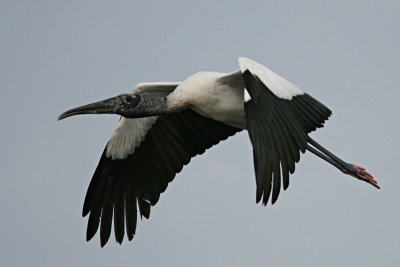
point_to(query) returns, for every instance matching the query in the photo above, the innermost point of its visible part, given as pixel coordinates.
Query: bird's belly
(207, 94)
(230, 113)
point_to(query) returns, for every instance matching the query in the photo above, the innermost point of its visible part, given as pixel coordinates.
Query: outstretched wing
(130, 178)
(278, 116)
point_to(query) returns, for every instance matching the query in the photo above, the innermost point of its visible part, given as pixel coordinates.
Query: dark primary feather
(278, 130)
(121, 188)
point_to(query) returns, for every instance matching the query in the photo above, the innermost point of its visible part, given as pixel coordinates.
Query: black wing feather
(278, 131)
(119, 188)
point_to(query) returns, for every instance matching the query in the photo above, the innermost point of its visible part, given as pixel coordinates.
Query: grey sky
(56, 55)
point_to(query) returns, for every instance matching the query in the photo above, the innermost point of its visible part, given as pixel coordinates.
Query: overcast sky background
(56, 55)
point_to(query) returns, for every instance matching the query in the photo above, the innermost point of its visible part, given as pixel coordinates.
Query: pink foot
(360, 173)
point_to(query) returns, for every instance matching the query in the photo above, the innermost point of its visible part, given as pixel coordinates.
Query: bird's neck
(149, 106)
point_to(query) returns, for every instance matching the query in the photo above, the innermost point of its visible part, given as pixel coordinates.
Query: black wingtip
(85, 211)
(274, 199)
(285, 186)
(258, 196)
(130, 236)
(144, 208)
(104, 237)
(92, 226)
(265, 201)
(90, 235)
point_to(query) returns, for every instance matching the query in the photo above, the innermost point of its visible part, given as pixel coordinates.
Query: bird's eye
(129, 98)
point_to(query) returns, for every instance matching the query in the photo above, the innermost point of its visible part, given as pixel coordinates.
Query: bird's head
(126, 105)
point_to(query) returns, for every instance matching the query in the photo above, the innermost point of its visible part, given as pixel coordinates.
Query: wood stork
(164, 125)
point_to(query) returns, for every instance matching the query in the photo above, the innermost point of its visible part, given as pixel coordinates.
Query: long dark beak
(347, 168)
(108, 106)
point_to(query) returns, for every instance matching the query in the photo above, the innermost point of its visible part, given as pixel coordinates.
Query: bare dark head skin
(127, 105)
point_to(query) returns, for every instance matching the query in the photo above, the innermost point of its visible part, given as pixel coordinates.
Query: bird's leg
(347, 168)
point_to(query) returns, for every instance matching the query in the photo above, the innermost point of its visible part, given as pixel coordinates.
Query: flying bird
(164, 125)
